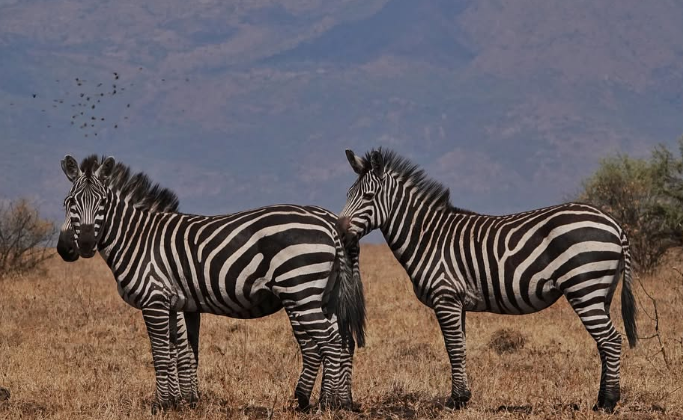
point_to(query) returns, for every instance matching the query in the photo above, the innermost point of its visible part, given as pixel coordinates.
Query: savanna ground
(70, 348)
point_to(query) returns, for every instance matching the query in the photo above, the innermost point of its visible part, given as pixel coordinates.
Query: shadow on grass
(406, 405)
(26, 409)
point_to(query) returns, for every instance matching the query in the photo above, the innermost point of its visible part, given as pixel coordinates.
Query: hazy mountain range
(235, 104)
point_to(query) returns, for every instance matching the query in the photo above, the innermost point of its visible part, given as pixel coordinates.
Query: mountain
(235, 104)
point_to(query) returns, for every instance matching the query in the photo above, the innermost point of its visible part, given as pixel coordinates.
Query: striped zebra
(183, 327)
(243, 265)
(515, 264)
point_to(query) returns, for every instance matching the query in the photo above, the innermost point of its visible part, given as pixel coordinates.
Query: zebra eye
(368, 195)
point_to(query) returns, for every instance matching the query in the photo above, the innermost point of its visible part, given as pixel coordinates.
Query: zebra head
(86, 204)
(367, 203)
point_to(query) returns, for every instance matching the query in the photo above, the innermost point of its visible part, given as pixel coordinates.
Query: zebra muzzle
(87, 241)
(66, 246)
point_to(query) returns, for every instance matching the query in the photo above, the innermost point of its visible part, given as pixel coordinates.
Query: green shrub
(646, 197)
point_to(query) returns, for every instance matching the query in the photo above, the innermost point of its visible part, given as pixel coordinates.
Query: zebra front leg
(187, 339)
(156, 318)
(449, 313)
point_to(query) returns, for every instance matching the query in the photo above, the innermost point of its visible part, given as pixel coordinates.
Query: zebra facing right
(515, 264)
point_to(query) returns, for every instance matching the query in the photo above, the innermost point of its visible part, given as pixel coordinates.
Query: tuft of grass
(506, 340)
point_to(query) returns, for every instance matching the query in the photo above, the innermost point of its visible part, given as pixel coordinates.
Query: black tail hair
(350, 308)
(628, 303)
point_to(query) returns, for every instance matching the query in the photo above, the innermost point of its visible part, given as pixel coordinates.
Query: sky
(239, 104)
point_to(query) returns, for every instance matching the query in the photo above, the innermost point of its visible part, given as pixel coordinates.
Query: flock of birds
(94, 106)
(90, 104)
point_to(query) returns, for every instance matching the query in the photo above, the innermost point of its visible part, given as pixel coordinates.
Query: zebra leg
(347, 373)
(449, 313)
(156, 318)
(186, 357)
(311, 364)
(173, 385)
(599, 326)
(327, 339)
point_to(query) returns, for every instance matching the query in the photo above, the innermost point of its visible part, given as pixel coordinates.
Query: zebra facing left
(459, 260)
(243, 265)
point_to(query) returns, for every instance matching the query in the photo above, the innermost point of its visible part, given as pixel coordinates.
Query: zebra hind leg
(327, 340)
(591, 310)
(173, 385)
(311, 364)
(609, 347)
(186, 360)
(347, 373)
(449, 313)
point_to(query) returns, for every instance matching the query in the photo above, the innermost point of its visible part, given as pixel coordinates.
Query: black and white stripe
(243, 265)
(183, 384)
(516, 264)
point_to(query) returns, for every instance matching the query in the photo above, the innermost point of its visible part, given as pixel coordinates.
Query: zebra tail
(350, 309)
(628, 303)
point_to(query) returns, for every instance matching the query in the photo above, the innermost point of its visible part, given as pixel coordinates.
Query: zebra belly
(501, 302)
(261, 303)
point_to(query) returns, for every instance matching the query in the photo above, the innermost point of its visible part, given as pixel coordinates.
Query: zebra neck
(124, 224)
(410, 229)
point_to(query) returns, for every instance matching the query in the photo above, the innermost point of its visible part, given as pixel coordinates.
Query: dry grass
(70, 348)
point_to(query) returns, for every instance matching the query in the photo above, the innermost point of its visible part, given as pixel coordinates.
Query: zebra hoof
(4, 394)
(607, 403)
(192, 402)
(351, 406)
(191, 399)
(607, 407)
(457, 402)
(158, 407)
(330, 403)
(304, 404)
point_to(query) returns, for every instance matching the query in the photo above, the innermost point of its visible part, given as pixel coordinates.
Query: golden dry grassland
(70, 348)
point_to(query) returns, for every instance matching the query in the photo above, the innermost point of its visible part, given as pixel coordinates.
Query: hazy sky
(237, 104)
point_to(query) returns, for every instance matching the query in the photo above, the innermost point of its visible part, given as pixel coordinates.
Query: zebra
(183, 329)
(244, 265)
(515, 264)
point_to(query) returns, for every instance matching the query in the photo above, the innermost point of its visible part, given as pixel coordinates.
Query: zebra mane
(415, 178)
(136, 188)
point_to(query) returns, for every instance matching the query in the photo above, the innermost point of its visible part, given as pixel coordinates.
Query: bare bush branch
(25, 238)
(655, 318)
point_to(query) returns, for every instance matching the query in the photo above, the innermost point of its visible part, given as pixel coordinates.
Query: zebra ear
(106, 168)
(377, 164)
(70, 168)
(355, 162)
